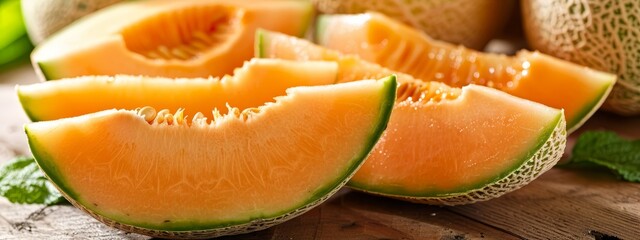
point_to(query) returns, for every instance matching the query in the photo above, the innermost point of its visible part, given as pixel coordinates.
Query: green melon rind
(591, 108)
(259, 43)
(26, 101)
(46, 71)
(322, 22)
(544, 156)
(308, 20)
(204, 230)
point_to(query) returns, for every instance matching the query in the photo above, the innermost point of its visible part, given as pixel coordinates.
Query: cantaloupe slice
(578, 90)
(470, 23)
(444, 145)
(241, 172)
(257, 82)
(477, 146)
(167, 38)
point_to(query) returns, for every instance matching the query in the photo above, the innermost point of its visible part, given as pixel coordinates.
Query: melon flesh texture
(257, 82)
(274, 45)
(603, 35)
(187, 38)
(444, 145)
(239, 173)
(578, 90)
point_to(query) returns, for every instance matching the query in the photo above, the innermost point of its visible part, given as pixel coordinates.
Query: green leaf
(21, 181)
(607, 149)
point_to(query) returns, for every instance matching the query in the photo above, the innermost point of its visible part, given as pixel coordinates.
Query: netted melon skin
(44, 18)
(604, 35)
(543, 160)
(470, 23)
(255, 225)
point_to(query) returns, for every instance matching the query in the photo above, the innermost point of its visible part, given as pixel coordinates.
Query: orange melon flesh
(251, 168)
(578, 90)
(441, 148)
(257, 82)
(274, 45)
(444, 145)
(187, 38)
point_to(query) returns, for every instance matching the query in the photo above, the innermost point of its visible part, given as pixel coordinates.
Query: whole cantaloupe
(45, 17)
(470, 23)
(602, 34)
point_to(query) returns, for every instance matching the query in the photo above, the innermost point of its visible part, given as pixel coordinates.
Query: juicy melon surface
(452, 146)
(245, 171)
(187, 38)
(257, 82)
(444, 145)
(578, 90)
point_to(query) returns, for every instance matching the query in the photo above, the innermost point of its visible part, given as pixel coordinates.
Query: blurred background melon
(472, 23)
(14, 42)
(45, 17)
(602, 34)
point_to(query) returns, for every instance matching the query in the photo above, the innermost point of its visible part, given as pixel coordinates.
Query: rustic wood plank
(353, 215)
(565, 204)
(53, 222)
(12, 139)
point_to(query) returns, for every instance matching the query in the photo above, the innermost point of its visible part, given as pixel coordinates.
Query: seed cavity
(183, 34)
(165, 117)
(419, 91)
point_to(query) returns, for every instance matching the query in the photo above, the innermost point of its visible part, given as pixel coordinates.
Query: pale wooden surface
(562, 204)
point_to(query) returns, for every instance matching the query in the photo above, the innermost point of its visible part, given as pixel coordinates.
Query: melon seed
(148, 113)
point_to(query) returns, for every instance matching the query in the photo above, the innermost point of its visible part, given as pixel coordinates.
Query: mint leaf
(607, 149)
(21, 181)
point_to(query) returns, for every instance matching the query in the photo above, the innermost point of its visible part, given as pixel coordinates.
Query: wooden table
(562, 204)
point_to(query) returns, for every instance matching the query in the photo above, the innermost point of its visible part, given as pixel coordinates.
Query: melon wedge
(444, 145)
(167, 38)
(580, 91)
(470, 23)
(257, 82)
(241, 172)
(476, 147)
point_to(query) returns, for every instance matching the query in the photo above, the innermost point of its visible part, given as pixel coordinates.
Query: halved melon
(257, 82)
(241, 172)
(444, 145)
(167, 38)
(578, 90)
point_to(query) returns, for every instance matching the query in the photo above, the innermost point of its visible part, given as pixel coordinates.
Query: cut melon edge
(207, 230)
(584, 114)
(548, 151)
